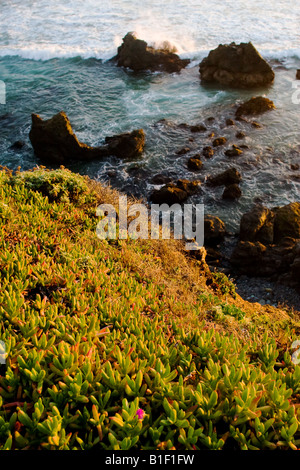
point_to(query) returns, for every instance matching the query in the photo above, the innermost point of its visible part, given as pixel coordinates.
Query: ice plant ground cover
(129, 344)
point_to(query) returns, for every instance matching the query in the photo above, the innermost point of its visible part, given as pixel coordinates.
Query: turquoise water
(53, 57)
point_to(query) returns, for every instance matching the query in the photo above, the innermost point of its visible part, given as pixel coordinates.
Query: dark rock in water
(232, 191)
(7, 117)
(198, 128)
(191, 187)
(19, 144)
(257, 105)
(219, 141)
(161, 179)
(111, 173)
(298, 74)
(230, 122)
(214, 230)
(137, 55)
(183, 151)
(240, 135)
(195, 164)
(126, 145)
(138, 172)
(169, 194)
(233, 152)
(238, 66)
(256, 125)
(241, 119)
(227, 177)
(53, 140)
(183, 125)
(208, 152)
(295, 166)
(173, 193)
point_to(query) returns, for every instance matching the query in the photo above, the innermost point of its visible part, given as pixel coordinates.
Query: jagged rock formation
(53, 140)
(137, 55)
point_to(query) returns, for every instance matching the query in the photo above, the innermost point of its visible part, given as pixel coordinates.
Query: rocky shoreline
(264, 257)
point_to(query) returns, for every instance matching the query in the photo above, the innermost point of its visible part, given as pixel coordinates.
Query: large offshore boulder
(137, 55)
(236, 65)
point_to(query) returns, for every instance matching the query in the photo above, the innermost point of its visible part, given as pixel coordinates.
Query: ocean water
(54, 56)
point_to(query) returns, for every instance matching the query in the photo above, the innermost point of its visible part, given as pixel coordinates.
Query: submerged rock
(198, 128)
(183, 151)
(233, 152)
(195, 163)
(219, 141)
(161, 179)
(238, 66)
(173, 193)
(19, 144)
(257, 105)
(240, 135)
(126, 145)
(256, 125)
(208, 152)
(227, 177)
(232, 191)
(137, 55)
(53, 140)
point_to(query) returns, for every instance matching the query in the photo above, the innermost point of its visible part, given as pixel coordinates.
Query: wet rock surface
(138, 56)
(227, 177)
(238, 66)
(232, 191)
(174, 193)
(54, 140)
(255, 106)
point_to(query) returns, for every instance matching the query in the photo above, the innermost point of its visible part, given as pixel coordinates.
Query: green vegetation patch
(96, 357)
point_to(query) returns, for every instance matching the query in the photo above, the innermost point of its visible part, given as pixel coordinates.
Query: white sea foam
(43, 30)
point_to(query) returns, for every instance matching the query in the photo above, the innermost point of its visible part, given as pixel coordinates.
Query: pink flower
(140, 413)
